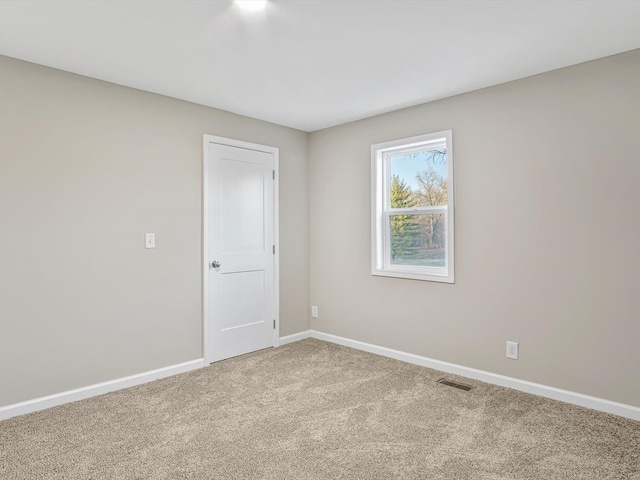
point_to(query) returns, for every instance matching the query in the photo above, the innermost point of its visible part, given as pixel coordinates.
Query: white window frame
(380, 213)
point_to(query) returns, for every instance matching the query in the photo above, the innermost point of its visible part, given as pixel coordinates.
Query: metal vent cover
(451, 383)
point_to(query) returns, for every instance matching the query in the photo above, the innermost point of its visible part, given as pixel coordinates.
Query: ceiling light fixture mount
(252, 5)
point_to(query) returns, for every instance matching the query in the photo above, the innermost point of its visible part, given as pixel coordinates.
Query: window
(412, 214)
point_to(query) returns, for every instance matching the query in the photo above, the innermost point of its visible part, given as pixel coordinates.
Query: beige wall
(548, 184)
(547, 173)
(86, 168)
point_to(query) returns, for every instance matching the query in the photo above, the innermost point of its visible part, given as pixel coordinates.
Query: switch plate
(314, 312)
(512, 350)
(149, 240)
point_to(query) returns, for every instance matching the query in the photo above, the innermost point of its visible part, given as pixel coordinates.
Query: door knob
(215, 264)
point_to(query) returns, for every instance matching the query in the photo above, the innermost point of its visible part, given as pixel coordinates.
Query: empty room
(304, 239)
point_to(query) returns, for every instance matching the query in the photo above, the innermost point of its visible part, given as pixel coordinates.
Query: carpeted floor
(313, 410)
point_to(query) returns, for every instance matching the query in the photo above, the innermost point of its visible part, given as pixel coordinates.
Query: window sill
(428, 277)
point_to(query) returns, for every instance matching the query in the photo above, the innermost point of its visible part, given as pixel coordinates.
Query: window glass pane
(418, 240)
(418, 179)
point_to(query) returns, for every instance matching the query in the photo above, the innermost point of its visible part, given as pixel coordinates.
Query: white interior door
(241, 250)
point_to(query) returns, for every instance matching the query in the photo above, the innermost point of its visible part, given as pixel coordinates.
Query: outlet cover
(149, 240)
(512, 350)
(314, 312)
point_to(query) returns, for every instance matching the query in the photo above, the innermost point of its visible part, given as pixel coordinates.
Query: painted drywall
(547, 232)
(86, 169)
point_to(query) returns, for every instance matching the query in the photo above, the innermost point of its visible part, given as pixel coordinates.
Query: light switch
(150, 240)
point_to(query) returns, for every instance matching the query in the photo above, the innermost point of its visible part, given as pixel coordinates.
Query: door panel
(241, 236)
(250, 287)
(241, 197)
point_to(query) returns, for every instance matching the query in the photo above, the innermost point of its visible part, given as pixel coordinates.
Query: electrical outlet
(512, 350)
(314, 312)
(150, 240)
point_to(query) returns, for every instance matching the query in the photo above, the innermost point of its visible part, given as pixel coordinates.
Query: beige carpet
(316, 410)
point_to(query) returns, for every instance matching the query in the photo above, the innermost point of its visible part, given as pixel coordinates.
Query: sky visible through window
(407, 166)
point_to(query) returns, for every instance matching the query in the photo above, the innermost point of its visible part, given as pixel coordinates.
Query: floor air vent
(451, 383)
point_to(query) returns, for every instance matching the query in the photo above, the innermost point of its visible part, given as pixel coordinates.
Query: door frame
(207, 140)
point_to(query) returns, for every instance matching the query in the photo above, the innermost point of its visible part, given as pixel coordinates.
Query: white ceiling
(314, 64)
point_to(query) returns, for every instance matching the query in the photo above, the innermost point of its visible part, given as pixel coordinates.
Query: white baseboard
(595, 403)
(98, 389)
(295, 337)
